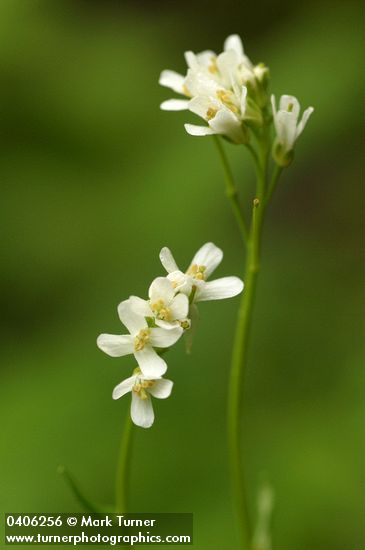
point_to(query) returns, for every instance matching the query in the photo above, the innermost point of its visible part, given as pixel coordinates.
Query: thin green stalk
(239, 357)
(273, 183)
(231, 191)
(122, 477)
(253, 152)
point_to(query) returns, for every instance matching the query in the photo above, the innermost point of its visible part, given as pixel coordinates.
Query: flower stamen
(141, 339)
(211, 112)
(185, 324)
(161, 311)
(227, 98)
(197, 272)
(140, 388)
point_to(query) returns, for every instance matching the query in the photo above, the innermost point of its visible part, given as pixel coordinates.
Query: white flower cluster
(231, 95)
(157, 323)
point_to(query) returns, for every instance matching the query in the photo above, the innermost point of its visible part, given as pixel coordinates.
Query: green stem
(240, 349)
(273, 183)
(231, 191)
(122, 477)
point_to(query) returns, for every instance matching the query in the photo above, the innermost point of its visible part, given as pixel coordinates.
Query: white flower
(216, 87)
(223, 109)
(193, 281)
(168, 309)
(142, 388)
(140, 342)
(287, 126)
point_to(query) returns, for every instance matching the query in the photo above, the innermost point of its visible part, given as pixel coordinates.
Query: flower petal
(191, 60)
(206, 58)
(167, 325)
(227, 63)
(273, 104)
(208, 255)
(290, 104)
(286, 128)
(167, 260)
(200, 105)
(172, 80)
(175, 105)
(199, 61)
(151, 364)
(307, 113)
(179, 307)
(243, 100)
(115, 345)
(227, 124)
(133, 321)
(181, 282)
(142, 411)
(161, 338)
(194, 130)
(227, 287)
(140, 306)
(161, 288)
(199, 83)
(161, 388)
(124, 387)
(234, 42)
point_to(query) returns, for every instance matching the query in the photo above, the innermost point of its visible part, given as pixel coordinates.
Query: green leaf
(87, 504)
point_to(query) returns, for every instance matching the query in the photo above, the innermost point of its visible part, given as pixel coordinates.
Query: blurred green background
(95, 179)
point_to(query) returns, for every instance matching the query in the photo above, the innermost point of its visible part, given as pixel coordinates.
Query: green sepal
(281, 157)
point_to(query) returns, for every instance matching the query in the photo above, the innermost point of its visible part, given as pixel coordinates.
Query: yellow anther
(197, 271)
(185, 324)
(161, 311)
(213, 68)
(290, 107)
(143, 394)
(148, 383)
(140, 388)
(141, 339)
(211, 112)
(227, 98)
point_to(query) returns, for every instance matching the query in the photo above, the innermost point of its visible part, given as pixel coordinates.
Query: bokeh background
(95, 180)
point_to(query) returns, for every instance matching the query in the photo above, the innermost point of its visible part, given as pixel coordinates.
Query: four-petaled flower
(231, 95)
(142, 388)
(141, 341)
(219, 90)
(157, 323)
(193, 281)
(167, 308)
(287, 126)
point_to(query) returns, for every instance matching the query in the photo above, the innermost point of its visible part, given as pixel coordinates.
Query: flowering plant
(157, 324)
(231, 95)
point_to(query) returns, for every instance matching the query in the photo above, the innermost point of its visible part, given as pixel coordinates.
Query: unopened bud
(282, 157)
